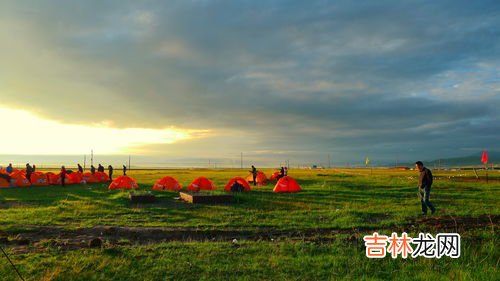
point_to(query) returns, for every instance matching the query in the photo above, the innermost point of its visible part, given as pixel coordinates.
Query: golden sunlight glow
(26, 133)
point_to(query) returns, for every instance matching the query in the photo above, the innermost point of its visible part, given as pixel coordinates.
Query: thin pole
(12, 263)
(129, 161)
(92, 157)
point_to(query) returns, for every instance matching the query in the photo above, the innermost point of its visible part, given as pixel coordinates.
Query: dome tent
(201, 183)
(241, 181)
(287, 184)
(101, 177)
(88, 177)
(167, 183)
(19, 179)
(275, 176)
(39, 178)
(261, 178)
(125, 182)
(75, 177)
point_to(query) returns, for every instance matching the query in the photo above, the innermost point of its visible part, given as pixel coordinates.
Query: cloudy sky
(277, 80)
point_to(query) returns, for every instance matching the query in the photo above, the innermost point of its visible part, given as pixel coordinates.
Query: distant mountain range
(472, 160)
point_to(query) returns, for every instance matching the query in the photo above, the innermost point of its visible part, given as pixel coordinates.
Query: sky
(277, 80)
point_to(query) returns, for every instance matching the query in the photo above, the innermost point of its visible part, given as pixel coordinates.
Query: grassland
(312, 235)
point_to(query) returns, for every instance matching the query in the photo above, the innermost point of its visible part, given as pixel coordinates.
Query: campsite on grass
(313, 234)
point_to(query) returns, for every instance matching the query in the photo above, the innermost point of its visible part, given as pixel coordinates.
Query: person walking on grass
(63, 176)
(110, 172)
(424, 187)
(124, 170)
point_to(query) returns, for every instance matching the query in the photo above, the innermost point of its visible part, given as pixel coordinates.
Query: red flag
(484, 158)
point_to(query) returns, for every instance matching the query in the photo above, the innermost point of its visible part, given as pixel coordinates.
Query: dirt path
(41, 238)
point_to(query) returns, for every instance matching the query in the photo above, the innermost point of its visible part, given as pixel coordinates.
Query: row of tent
(284, 184)
(18, 178)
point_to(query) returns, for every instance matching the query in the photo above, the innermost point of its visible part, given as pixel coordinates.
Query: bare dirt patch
(42, 238)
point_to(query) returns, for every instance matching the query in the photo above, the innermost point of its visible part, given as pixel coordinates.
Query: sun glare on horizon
(26, 133)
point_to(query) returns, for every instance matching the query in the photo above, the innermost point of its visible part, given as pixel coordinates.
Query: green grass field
(316, 234)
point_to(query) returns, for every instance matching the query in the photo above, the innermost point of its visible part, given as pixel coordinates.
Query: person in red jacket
(63, 175)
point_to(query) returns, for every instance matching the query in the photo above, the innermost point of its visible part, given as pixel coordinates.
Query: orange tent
(242, 181)
(101, 176)
(274, 176)
(74, 177)
(88, 177)
(4, 183)
(287, 184)
(167, 183)
(123, 182)
(261, 178)
(19, 179)
(4, 180)
(56, 179)
(39, 178)
(201, 183)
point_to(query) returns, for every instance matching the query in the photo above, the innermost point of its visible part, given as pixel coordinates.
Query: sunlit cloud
(26, 133)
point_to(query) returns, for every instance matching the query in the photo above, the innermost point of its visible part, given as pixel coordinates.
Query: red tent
(274, 176)
(88, 177)
(56, 178)
(261, 178)
(19, 179)
(239, 180)
(167, 183)
(4, 183)
(75, 177)
(101, 177)
(39, 178)
(287, 184)
(123, 182)
(201, 183)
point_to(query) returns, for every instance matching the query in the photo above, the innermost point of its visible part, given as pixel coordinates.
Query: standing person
(92, 169)
(9, 169)
(80, 168)
(63, 175)
(424, 187)
(110, 172)
(285, 171)
(100, 168)
(124, 170)
(29, 171)
(282, 173)
(254, 175)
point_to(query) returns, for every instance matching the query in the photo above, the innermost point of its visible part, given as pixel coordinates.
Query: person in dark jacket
(63, 175)
(254, 175)
(100, 168)
(424, 187)
(80, 168)
(124, 170)
(29, 171)
(110, 172)
(92, 169)
(282, 173)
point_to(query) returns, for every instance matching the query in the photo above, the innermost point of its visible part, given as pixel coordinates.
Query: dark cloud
(418, 78)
